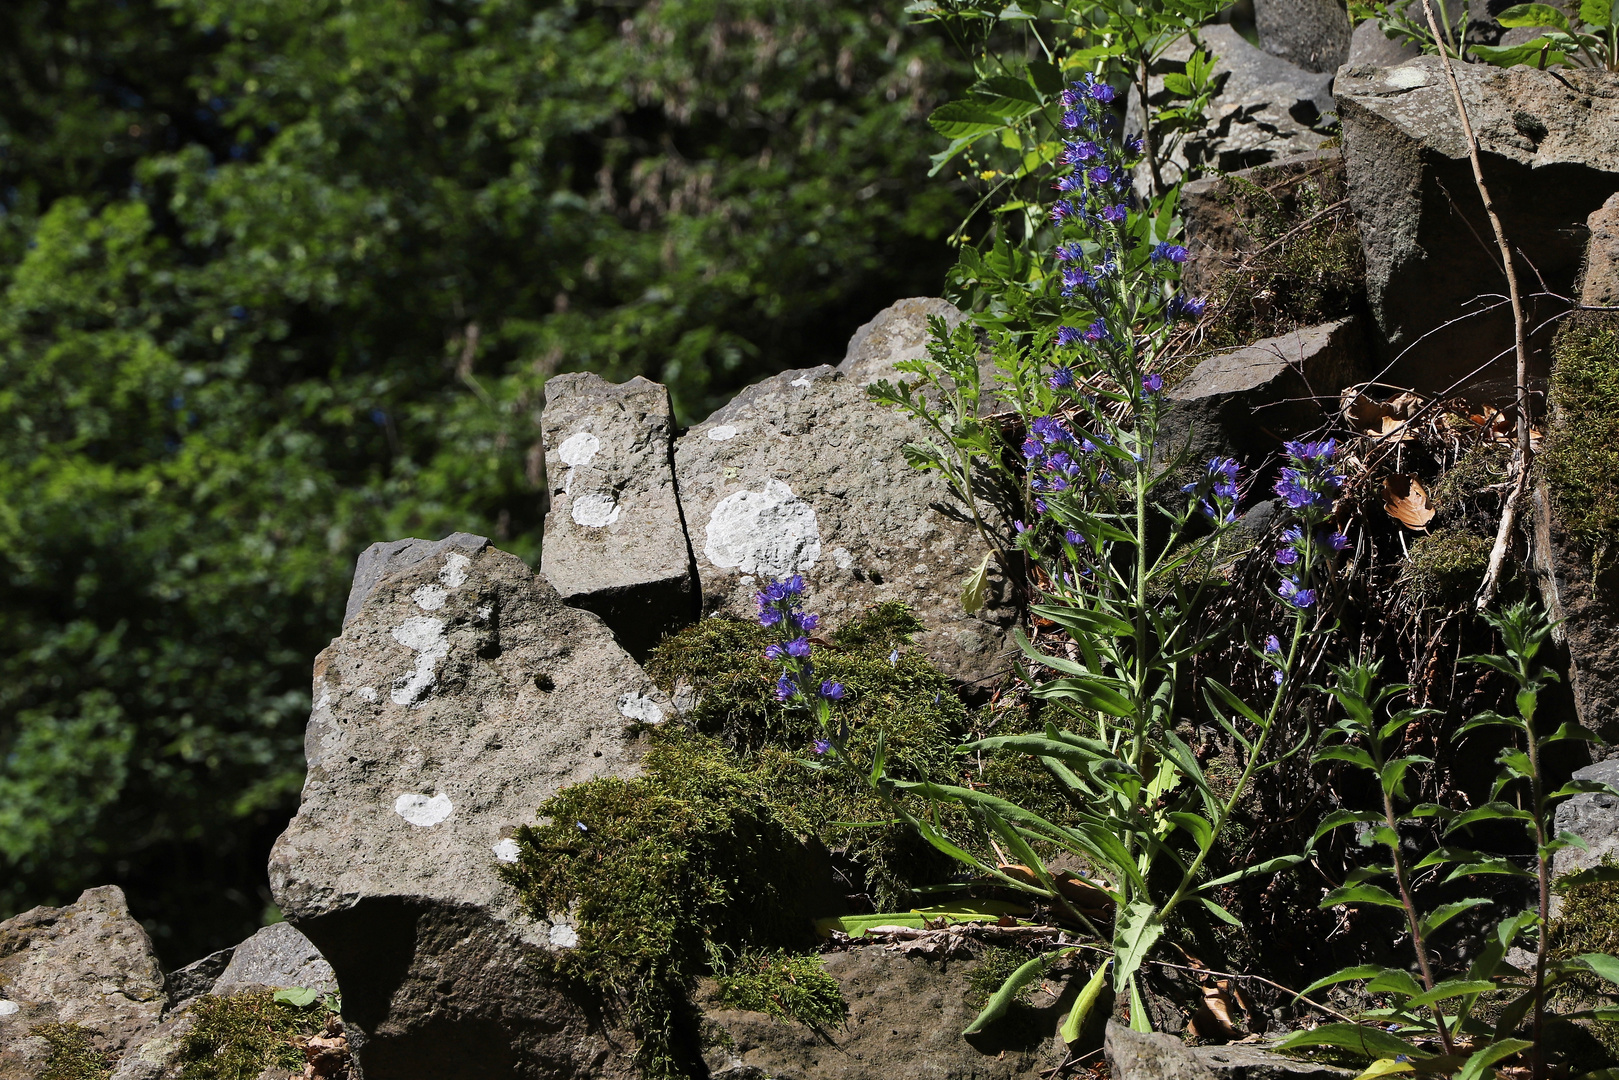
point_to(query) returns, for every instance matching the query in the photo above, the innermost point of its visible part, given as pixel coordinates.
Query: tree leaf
(964, 120)
(1406, 500)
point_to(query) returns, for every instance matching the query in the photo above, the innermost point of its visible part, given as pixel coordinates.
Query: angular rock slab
(1370, 47)
(1246, 401)
(896, 333)
(89, 964)
(905, 1020)
(278, 957)
(1550, 153)
(1314, 34)
(1599, 280)
(1585, 617)
(1593, 817)
(463, 694)
(615, 543)
(1267, 109)
(1136, 1055)
(805, 474)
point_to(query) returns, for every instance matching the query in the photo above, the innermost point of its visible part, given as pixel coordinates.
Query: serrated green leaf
(1599, 12)
(972, 592)
(1601, 964)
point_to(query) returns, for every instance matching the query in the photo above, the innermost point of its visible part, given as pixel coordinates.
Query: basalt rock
(278, 957)
(90, 965)
(1550, 153)
(1599, 278)
(1245, 402)
(804, 474)
(1135, 1055)
(1370, 47)
(898, 332)
(462, 694)
(614, 540)
(1313, 34)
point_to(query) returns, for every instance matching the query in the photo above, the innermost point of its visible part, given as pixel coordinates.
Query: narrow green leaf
(1002, 999)
(1088, 694)
(1602, 964)
(1348, 974)
(1450, 988)
(1481, 1060)
(1360, 894)
(299, 997)
(1269, 866)
(1370, 1041)
(1533, 15)
(1441, 915)
(1082, 1007)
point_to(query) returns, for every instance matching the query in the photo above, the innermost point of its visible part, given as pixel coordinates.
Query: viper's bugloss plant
(1110, 526)
(1432, 1022)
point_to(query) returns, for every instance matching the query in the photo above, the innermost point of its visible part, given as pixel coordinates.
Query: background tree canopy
(280, 278)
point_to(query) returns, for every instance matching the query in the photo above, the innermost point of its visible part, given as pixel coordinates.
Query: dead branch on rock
(1509, 513)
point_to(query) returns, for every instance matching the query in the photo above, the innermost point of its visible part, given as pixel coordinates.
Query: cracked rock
(614, 540)
(462, 694)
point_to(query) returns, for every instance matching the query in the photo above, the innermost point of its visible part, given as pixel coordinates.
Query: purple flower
(1073, 537)
(1040, 506)
(1135, 144)
(768, 615)
(1173, 252)
(1218, 515)
(1116, 214)
(1152, 383)
(822, 745)
(1336, 541)
(1311, 451)
(1273, 645)
(1032, 448)
(1061, 209)
(1049, 430)
(1075, 278)
(1300, 598)
(1068, 252)
(1096, 331)
(1287, 556)
(775, 652)
(1099, 174)
(1183, 307)
(785, 687)
(1080, 151)
(832, 691)
(1020, 527)
(1062, 378)
(805, 622)
(799, 647)
(1102, 92)
(1068, 335)
(1073, 119)
(1276, 677)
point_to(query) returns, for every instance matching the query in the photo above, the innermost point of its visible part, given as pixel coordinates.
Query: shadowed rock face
(461, 695)
(614, 540)
(804, 474)
(88, 964)
(1550, 154)
(1314, 34)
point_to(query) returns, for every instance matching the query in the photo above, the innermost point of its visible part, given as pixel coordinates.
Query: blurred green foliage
(281, 278)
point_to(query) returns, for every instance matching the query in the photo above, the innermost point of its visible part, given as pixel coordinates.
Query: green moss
(719, 846)
(1308, 266)
(1580, 461)
(995, 965)
(785, 985)
(73, 1055)
(1589, 922)
(1446, 567)
(1483, 466)
(238, 1037)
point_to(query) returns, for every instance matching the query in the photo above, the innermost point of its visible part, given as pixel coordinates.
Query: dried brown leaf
(1406, 501)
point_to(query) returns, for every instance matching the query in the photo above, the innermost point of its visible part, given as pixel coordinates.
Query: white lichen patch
(423, 811)
(1406, 78)
(430, 597)
(577, 449)
(506, 851)
(595, 511)
(9, 1008)
(454, 572)
(366, 693)
(426, 637)
(722, 433)
(563, 936)
(639, 707)
(843, 557)
(772, 532)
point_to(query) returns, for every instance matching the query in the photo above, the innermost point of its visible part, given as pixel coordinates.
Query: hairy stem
(1403, 879)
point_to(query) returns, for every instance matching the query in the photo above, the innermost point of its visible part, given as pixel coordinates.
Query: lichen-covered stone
(1599, 280)
(898, 332)
(614, 540)
(804, 474)
(1370, 47)
(1593, 817)
(89, 965)
(1136, 1055)
(1550, 153)
(461, 696)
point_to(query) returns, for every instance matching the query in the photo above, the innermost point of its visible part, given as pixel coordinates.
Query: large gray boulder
(614, 540)
(461, 695)
(1593, 817)
(1267, 109)
(804, 474)
(1313, 34)
(89, 964)
(1550, 153)
(1245, 402)
(898, 332)
(1135, 1055)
